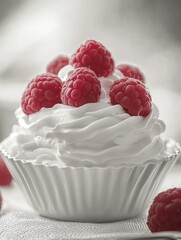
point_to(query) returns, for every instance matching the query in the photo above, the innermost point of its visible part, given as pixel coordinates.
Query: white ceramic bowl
(91, 194)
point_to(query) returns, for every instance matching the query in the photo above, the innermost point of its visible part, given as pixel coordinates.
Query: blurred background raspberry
(142, 32)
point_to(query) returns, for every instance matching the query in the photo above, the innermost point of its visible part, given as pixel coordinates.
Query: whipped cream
(95, 134)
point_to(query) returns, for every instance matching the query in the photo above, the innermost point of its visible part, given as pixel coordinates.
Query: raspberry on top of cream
(99, 131)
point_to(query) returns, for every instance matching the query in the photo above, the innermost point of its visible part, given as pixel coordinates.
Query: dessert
(88, 145)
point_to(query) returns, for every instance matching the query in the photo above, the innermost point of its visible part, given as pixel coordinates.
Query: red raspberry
(81, 87)
(57, 64)
(132, 95)
(42, 91)
(165, 211)
(1, 200)
(95, 56)
(131, 72)
(5, 176)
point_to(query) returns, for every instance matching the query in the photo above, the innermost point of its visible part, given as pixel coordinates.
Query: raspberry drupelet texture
(57, 64)
(95, 56)
(43, 91)
(131, 72)
(81, 87)
(5, 176)
(132, 95)
(165, 212)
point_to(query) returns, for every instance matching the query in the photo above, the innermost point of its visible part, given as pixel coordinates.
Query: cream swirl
(95, 134)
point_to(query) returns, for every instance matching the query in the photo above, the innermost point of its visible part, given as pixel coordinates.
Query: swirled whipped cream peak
(90, 114)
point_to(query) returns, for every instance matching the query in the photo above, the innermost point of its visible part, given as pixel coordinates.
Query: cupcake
(88, 145)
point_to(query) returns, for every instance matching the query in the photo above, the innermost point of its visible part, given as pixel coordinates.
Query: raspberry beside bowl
(92, 194)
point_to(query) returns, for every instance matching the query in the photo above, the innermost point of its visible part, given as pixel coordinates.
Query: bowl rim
(168, 158)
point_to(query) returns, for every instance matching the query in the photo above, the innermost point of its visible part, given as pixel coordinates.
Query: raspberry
(5, 176)
(165, 211)
(131, 72)
(42, 91)
(95, 56)
(132, 95)
(57, 64)
(1, 200)
(81, 87)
